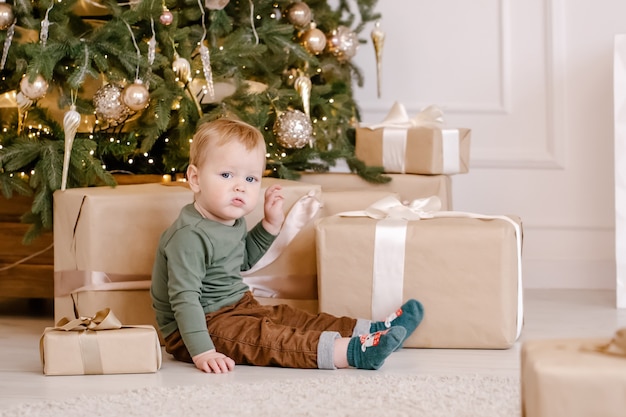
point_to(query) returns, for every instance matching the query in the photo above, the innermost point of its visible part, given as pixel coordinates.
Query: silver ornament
(299, 14)
(293, 129)
(215, 4)
(6, 15)
(34, 90)
(136, 96)
(109, 106)
(343, 43)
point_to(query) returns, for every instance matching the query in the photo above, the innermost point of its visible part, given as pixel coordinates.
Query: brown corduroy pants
(255, 334)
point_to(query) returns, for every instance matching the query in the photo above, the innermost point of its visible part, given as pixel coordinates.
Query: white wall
(533, 79)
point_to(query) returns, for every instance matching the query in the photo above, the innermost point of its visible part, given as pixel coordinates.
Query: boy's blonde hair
(221, 131)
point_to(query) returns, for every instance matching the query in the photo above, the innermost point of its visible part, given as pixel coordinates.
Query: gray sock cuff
(326, 350)
(362, 327)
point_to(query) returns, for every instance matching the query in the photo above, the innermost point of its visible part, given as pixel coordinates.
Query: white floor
(548, 314)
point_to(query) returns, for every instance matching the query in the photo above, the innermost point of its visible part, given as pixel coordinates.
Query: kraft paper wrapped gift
(465, 268)
(574, 377)
(99, 345)
(422, 145)
(407, 186)
(105, 242)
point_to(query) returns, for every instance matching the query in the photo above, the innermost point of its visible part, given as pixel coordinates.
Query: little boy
(205, 311)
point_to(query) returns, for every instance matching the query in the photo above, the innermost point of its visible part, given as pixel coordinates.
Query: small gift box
(99, 345)
(421, 145)
(574, 377)
(465, 268)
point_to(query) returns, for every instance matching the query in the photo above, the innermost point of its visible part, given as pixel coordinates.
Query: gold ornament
(136, 96)
(215, 4)
(314, 40)
(23, 104)
(6, 15)
(343, 43)
(293, 129)
(71, 121)
(378, 38)
(181, 68)
(299, 14)
(34, 90)
(303, 87)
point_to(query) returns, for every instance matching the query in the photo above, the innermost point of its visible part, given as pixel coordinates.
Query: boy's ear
(192, 178)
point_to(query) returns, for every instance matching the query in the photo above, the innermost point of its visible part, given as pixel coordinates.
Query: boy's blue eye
(226, 174)
(250, 179)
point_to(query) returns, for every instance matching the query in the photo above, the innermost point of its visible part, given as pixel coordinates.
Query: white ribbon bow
(399, 118)
(392, 208)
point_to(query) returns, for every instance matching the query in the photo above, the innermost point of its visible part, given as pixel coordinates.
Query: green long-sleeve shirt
(197, 271)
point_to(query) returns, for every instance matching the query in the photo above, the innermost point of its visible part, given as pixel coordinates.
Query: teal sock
(369, 351)
(408, 316)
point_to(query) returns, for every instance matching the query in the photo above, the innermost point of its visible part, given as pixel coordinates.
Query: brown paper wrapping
(564, 378)
(424, 153)
(115, 231)
(464, 271)
(407, 186)
(128, 350)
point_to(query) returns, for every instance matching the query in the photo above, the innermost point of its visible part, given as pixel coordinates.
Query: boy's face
(227, 183)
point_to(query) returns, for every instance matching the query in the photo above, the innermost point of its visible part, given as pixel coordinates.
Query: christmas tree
(93, 87)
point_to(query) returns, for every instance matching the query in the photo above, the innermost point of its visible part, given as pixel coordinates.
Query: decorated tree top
(91, 87)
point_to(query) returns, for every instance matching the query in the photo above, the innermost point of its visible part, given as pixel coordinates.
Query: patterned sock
(408, 316)
(369, 351)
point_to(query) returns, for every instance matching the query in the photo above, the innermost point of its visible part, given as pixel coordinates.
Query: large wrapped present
(465, 268)
(421, 145)
(408, 186)
(105, 242)
(574, 377)
(99, 345)
(106, 236)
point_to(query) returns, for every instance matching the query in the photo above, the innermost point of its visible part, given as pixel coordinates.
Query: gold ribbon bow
(102, 320)
(617, 346)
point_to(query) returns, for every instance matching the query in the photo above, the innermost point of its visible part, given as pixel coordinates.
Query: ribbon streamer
(302, 212)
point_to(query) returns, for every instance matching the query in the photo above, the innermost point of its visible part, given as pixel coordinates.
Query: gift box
(99, 345)
(105, 242)
(421, 145)
(574, 377)
(407, 186)
(104, 236)
(465, 269)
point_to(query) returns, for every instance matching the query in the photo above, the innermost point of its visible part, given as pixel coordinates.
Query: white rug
(333, 396)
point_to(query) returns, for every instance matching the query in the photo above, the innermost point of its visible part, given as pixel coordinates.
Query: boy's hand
(273, 209)
(212, 361)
